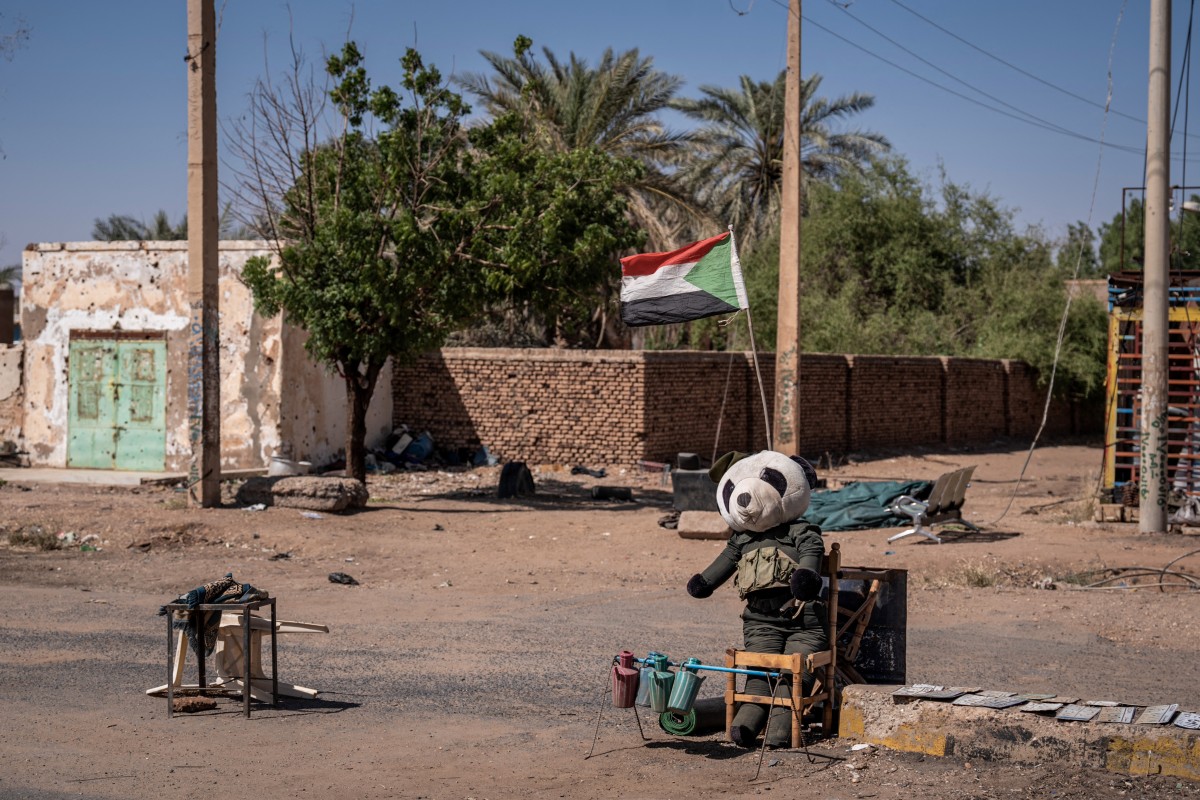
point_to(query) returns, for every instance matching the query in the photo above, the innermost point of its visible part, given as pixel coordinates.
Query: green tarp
(863, 504)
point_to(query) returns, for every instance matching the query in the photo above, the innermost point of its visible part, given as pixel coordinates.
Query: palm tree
(737, 170)
(123, 227)
(612, 107)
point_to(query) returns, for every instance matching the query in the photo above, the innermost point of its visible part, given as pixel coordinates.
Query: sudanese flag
(698, 280)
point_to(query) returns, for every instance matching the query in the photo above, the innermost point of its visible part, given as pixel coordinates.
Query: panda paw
(805, 584)
(698, 587)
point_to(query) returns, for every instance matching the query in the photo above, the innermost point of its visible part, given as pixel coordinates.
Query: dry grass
(35, 535)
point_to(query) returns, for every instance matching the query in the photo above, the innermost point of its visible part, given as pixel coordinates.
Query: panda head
(758, 492)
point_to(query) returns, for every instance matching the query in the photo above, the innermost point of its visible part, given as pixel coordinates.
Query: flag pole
(758, 374)
(753, 347)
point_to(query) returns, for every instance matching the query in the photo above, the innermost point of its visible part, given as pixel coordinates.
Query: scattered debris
(515, 480)
(670, 521)
(256, 507)
(190, 705)
(623, 493)
(341, 577)
(281, 556)
(311, 515)
(1122, 578)
(581, 470)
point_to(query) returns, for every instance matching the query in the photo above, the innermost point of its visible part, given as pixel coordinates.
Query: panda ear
(722, 465)
(810, 474)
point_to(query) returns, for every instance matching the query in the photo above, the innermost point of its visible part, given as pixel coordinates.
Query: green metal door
(117, 405)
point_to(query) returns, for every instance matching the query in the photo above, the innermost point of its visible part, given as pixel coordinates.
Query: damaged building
(104, 363)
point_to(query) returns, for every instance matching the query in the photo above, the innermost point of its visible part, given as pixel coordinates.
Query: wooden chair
(821, 665)
(944, 504)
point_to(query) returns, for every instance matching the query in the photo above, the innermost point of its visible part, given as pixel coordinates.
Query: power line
(949, 75)
(1014, 67)
(1028, 119)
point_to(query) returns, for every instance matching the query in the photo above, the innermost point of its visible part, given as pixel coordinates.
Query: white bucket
(281, 466)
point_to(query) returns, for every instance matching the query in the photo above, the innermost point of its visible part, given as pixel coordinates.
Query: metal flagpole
(758, 374)
(753, 348)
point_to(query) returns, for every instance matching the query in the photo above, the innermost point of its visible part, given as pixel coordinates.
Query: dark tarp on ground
(863, 504)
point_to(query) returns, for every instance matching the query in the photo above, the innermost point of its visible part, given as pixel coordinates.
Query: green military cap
(723, 463)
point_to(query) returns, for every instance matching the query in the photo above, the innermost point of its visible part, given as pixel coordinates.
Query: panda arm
(809, 545)
(805, 581)
(720, 570)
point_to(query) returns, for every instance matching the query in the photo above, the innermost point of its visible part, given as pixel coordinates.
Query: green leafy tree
(369, 233)
(891, 268)
(400, 226)
(1126, 233)
(736, 166)
(612, 106)
(1079, 249)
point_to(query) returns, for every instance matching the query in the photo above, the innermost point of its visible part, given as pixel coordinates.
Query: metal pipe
(755, 672)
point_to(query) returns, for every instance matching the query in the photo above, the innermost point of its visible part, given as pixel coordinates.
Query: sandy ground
(470, 660)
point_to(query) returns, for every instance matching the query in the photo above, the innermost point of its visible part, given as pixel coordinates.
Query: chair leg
(918, 530)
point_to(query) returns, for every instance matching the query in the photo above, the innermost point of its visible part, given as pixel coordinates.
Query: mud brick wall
(536, 405)
(975, 392)
(1025, 399)
(895, 401)
(703, 402)
(824, 405)
(618, 407)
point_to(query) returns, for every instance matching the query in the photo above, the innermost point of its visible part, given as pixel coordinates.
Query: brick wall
(616, 407)
(975, 392)
(538, 405)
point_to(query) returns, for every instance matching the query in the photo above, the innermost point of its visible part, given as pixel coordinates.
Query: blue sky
(93, 107)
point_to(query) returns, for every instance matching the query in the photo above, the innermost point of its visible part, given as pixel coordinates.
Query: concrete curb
(871, 714)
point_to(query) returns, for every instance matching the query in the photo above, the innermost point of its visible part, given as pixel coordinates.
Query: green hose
(707, 716)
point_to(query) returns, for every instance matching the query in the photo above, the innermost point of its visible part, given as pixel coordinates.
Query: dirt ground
(470, 659)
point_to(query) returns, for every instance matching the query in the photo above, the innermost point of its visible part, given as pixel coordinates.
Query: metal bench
(944, 504)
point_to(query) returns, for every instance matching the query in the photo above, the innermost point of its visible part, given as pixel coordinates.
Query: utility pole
(203, 376)
(787, 332)
(1152, 501)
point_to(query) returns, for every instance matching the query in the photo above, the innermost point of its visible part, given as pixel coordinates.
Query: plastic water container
(644, 678)
(625, 681)
(661, 682)
(686, 687)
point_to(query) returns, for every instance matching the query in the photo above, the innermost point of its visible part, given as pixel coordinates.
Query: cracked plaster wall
(142, 286)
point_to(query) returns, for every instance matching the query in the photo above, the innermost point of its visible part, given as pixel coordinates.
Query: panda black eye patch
(726, 492)
(775, 479)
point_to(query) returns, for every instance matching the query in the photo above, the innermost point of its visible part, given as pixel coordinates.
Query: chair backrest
(949, 491)
(957, 494)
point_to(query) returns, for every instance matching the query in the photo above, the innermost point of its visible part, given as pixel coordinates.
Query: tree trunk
(359, 389)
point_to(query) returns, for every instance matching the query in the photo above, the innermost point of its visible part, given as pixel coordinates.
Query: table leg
(274, 660)
(170, 668)
(246, 658)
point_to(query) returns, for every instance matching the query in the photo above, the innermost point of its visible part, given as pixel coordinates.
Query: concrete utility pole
(203, 382)
(1152, 502)
(787, 332)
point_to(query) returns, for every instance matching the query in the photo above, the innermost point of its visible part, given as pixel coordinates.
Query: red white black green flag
(698, 280)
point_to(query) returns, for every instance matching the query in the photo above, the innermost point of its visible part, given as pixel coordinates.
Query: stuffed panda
(774, 556)
(758, 492)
